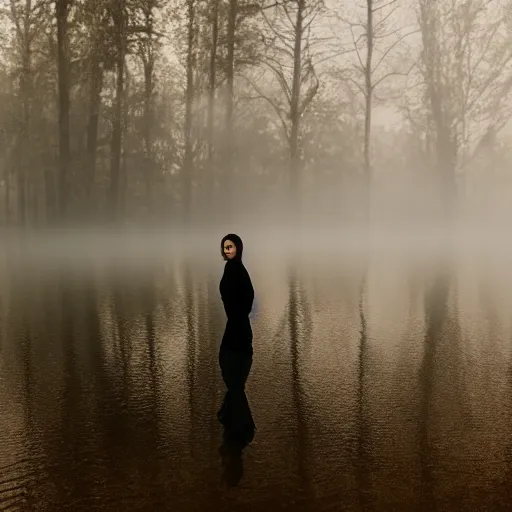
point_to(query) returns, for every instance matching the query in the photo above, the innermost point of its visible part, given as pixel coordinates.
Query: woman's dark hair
(238, 244)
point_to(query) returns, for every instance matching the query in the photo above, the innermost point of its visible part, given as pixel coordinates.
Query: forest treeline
(194, 110)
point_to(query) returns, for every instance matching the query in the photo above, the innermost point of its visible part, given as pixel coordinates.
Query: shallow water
(388, 390)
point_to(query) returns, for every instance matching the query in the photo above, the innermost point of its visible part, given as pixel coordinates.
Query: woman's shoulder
(236, 266)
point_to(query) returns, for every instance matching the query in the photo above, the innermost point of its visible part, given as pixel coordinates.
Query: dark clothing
(237, 295)
(235, 356)
(235, 412)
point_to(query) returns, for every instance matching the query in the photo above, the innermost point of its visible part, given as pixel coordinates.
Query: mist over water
(381, 376)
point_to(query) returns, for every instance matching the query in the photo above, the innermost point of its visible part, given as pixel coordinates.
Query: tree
(188, 163)
(147, 48)
(61, 13)
(289, 63)
(7, 115)
(118, 16)
(230, 79)
(28, 18)
(212, 86)
(465, 78)
(376, 42)
(332, 152)
(95, 26)
(239, 42)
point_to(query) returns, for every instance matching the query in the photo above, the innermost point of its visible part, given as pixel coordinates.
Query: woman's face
(229, 249)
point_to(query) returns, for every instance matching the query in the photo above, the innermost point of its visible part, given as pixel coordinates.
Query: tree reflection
(299, 323)
(435, 316)
(191, 350)
(362, 476)
(499, 376)
(74, 418)
(210, 329)
(442, 359)
(16, 478)
(96, 426)
(139, 398)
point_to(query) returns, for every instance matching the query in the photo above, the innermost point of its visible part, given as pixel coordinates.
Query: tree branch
(356, 48)
(375, 9)
(277, 34)
(275, 106)
(391, 73)
(386, 53)
(281, 79)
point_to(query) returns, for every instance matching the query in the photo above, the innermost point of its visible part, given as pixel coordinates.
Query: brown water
(384, 394)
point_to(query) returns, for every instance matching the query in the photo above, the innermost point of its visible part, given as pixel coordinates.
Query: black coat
(237, 295)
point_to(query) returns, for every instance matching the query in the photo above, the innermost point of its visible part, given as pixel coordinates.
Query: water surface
(383, 390)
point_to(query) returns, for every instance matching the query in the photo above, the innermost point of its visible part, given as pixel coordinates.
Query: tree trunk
(294, 107)
(148, 125)
(444, 146)
(116, 143)
(22, 199)
(367, 180)
(23, 144)
(7, 176)
(123, 175)
(230, 146)
(210, 181)
(187, 170)
(61, 7)
(96, 85)
(50, 199)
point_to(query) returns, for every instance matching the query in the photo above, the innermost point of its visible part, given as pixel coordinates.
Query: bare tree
(238, 54)
(28, 20)
(188, 163)
(291, 51)
(96, 25)
(466, 79)
(62, 13)
(147, 47)
(212, 85)
(119, 19)
(378, 43)
(6, 142)
(230, 78)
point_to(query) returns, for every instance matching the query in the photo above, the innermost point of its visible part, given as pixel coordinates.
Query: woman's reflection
(235, 414)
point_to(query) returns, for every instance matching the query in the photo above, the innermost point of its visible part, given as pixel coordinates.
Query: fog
(369, 125)
(362, 151)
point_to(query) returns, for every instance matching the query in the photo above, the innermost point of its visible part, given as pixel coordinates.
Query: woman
(235, 355)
